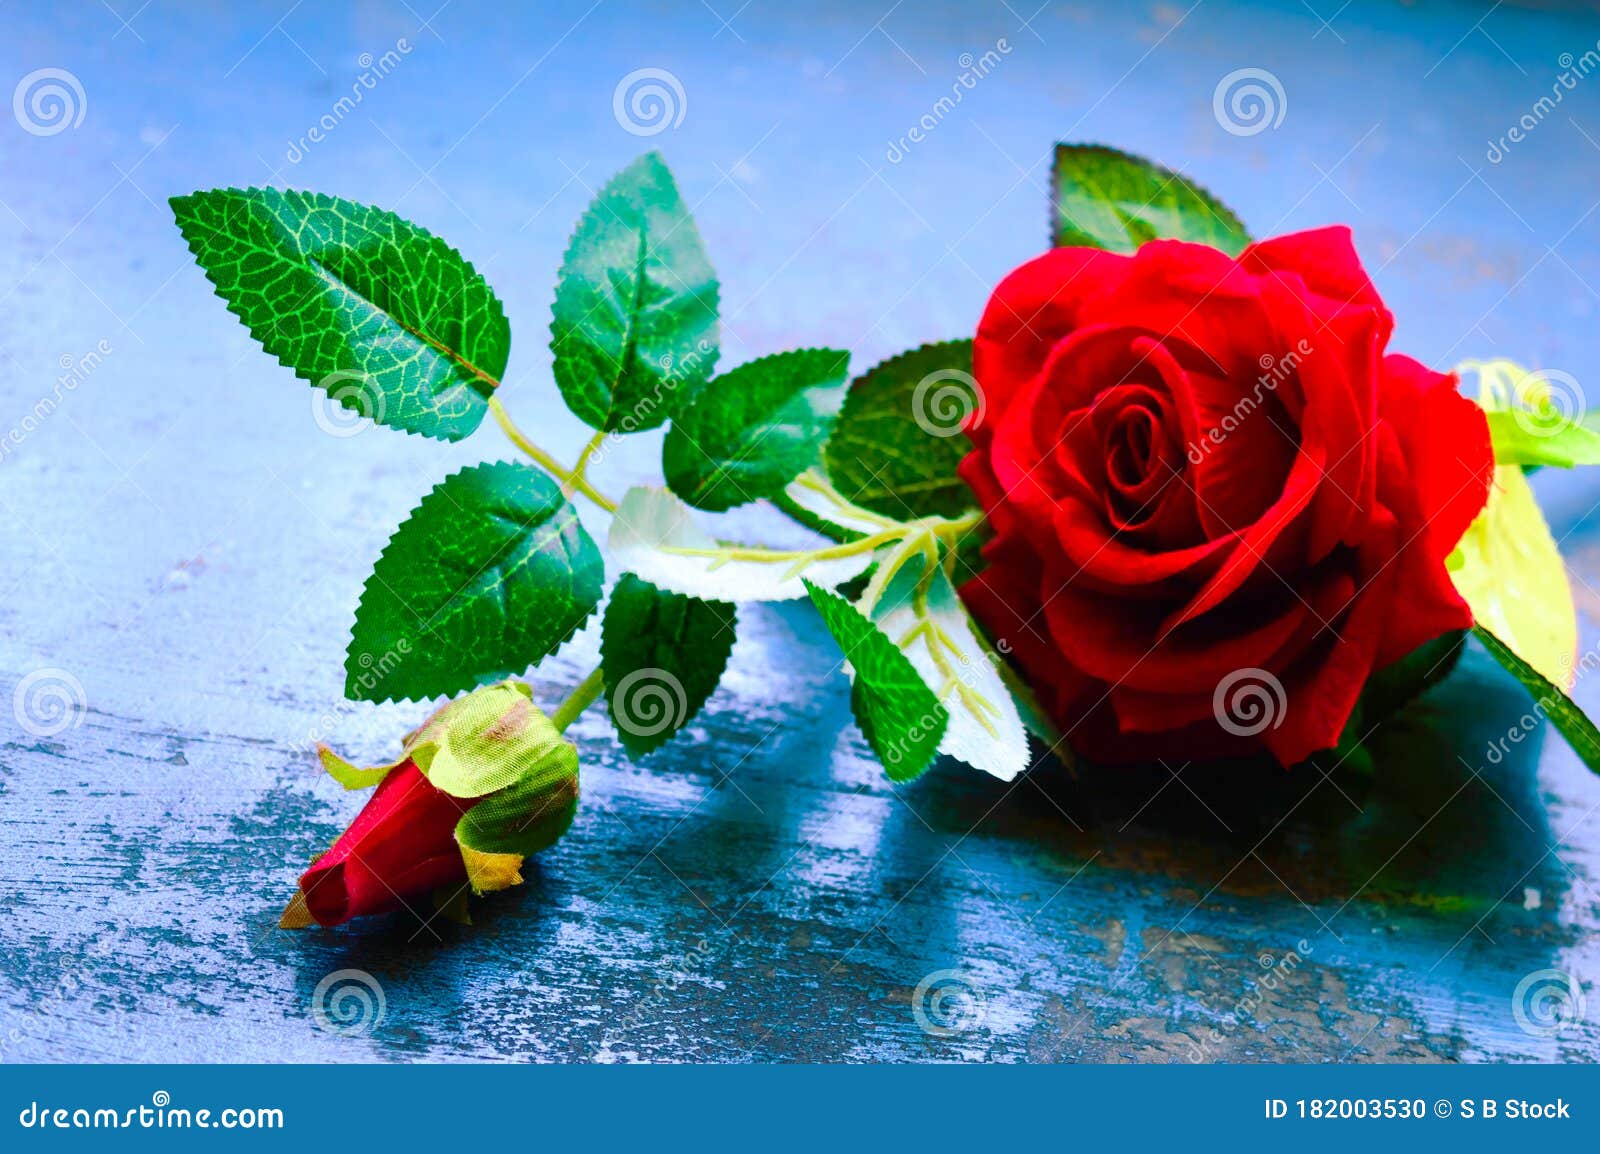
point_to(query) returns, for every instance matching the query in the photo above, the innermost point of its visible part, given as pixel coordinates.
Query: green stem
(571, 479)
(831, 553)
(581, 698)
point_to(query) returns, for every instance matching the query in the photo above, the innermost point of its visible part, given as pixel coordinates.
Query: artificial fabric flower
(1199, 466)
(482, 784)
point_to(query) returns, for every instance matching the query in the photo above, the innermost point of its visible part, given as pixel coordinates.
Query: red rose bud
(485, 781)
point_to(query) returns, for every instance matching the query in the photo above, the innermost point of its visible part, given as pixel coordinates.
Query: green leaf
(754, 429)
(1391, 688)
(491, 573)
(653, 534)
(899, 438)
(1572, 723)
(1535, 437)
(898, 714)
(662, 655)
(392, 322)
(920, 612)
(1111, 200)
(635, 327)
(1509, 571)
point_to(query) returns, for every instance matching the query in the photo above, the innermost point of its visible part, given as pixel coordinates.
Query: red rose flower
(398, 851)
(1206, 477)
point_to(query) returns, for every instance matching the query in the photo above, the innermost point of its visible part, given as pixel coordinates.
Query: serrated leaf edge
(449, 689)
(192, 243)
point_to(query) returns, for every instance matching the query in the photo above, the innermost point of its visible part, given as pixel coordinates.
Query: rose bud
(483, 783)
(1220, 503)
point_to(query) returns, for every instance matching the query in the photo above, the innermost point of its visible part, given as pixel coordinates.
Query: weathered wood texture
(185, 542)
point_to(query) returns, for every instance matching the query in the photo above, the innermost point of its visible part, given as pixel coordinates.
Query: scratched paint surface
(187, 542)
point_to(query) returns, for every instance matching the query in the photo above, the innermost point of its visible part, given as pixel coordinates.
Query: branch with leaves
(494, 571)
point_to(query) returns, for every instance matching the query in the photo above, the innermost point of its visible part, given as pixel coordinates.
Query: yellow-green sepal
(484, 741)
(350, 775)
(1507, 566)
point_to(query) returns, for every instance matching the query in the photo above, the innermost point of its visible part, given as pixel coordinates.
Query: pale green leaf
(654, 535)
(920, 613)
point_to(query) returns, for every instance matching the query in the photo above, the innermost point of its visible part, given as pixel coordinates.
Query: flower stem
(571, 479)
(588, 690)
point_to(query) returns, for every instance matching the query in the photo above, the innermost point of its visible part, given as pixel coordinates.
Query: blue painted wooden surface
(185, 542)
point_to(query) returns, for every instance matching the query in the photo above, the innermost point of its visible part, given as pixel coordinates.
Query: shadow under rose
(1448, 817)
